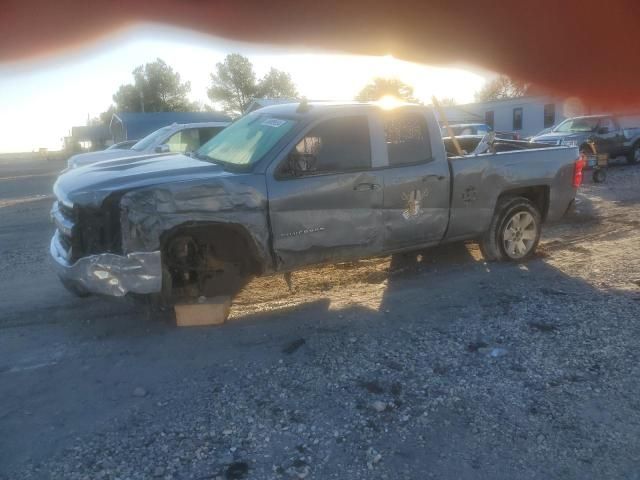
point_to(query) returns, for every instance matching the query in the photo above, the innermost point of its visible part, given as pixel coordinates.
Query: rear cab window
(407, 138)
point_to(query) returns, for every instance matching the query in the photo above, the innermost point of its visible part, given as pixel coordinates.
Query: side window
(184, 141)
(608, 124)
(335, 145)
(549, 115)
(615, 123)
(174, 142)
(407, 139)
(207, 133)
(517, 118)
(488, 118)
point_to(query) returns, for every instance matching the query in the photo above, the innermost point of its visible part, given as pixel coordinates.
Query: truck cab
(356, 183)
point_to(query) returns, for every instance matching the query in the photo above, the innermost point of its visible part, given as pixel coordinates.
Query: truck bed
(478, 180)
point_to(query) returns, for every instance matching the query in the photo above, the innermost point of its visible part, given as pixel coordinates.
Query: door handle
(429, 177)
(364, 187)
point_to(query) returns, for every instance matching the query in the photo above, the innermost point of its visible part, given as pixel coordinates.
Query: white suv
(176, 138)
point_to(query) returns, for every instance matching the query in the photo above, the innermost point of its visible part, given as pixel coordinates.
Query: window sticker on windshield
(273, 122)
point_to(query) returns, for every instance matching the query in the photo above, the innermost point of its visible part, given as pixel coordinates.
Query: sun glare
(389, 102)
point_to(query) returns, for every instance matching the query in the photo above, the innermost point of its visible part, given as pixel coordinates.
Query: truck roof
(311, 109)
(599, 115)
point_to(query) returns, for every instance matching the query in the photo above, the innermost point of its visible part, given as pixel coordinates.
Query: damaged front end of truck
(175, 227)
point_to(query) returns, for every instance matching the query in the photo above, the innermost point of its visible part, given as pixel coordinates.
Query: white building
(525, 115)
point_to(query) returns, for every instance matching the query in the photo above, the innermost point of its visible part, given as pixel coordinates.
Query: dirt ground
(429, 365)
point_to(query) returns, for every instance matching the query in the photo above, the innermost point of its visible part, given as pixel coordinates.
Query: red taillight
(577, 171)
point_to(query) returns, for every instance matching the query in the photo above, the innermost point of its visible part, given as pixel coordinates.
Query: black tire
(599, 175)
(494, 245)
(634, 156)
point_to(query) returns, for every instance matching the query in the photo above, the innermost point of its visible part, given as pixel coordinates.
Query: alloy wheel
(519, 235)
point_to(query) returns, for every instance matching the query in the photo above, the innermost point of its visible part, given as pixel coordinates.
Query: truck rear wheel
(634, 155)
(514, 232)
(599, 175)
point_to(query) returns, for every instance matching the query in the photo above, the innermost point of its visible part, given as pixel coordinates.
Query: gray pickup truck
(294, 185)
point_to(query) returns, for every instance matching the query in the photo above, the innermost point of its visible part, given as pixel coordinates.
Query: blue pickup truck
(605, 131)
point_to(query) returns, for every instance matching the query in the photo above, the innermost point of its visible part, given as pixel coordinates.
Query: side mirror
(603, 130)
(164, 148)
(302, 163)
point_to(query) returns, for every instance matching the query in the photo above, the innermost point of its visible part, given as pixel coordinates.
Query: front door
(609, 137)
(416, 186)
(330, 210)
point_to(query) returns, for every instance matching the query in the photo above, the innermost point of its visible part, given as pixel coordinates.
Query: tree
(501, 88)
(156, 87)
(277, 84)
(234, 84)
(380, 87)
(128, 99)
(105, 117)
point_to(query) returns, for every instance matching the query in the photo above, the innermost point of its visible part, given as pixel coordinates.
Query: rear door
(416, 185)
(332, 210)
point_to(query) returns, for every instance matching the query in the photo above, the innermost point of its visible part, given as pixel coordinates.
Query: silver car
(176, 138)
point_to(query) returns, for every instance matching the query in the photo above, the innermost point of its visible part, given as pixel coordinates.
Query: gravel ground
(430, 365)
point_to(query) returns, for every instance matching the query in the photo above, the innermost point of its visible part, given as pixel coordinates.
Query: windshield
(585, 124)
(122, 146)
(150, 139)
(247, 140)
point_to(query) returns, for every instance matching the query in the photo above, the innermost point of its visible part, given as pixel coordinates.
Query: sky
(41, 100)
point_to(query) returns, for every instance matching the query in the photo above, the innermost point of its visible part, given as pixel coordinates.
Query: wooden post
(443, 117)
